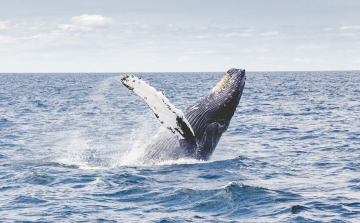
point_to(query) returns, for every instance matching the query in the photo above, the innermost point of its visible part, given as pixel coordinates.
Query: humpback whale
(195, 131)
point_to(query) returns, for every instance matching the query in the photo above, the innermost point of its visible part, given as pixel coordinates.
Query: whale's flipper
(169, 116)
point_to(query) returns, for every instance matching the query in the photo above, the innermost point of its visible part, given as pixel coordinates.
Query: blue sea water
(69, 143)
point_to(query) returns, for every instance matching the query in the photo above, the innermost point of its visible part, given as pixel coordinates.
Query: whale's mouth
(231, 84)
(217, 108)
(226, 95)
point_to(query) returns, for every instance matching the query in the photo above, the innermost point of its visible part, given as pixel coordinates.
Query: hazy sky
(170, 36)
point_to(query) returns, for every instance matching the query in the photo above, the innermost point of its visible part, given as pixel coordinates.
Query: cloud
(49, 37)
(273, 58)
(86, 23)
(7, 39)
(203, 37)
(4, 25)
(315, 47)
(69, 27)
(91, 20)
(186, 58)
(349, 27)
(356, 61)
(202, 52)
(270, 33)
(238, 34)
(307, 60)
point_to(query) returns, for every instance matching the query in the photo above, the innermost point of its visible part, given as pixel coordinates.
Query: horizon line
(104, 72)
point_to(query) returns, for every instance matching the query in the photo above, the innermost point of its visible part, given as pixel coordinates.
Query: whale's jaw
(210, 116)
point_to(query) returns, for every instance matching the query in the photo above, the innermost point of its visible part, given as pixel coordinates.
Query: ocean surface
(69, 145)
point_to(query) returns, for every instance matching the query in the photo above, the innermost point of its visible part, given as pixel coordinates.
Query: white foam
(181, 161)
(88, 146)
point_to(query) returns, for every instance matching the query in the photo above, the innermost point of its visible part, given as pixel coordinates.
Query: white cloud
(238, 34)
(202, 52)
(328, 29)
(270, 33)
(129, 23)
(349, 27)
(302, 59)
(69, 27)
(203, 37)
(273, 58)
(49, 37)
(86, 23)
(316, 47)
(91, 20)
(35, 37)
(347, 34)
(184, 58)
(356, 61)
(7, 39)
(349, 51)
(4, 25)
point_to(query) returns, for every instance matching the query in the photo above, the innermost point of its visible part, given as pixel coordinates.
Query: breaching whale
(195, 131)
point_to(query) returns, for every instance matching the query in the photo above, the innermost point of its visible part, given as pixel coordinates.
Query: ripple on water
(23, 199)
(290, 154)
(39, 179)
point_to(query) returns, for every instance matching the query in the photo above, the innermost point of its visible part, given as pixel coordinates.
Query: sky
(42, 36)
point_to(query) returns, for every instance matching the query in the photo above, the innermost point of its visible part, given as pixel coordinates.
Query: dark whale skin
(209, 118)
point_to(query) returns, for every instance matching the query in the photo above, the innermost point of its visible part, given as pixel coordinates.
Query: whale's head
(211, 115)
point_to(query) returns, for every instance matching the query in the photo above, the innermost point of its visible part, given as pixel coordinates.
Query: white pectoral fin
(170, 117)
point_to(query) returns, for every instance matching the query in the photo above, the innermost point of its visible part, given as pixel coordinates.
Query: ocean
(69, 145)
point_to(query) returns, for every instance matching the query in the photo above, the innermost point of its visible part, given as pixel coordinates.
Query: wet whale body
(195, 131)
